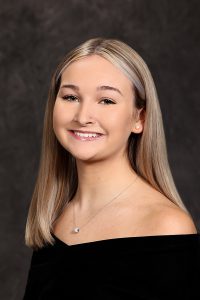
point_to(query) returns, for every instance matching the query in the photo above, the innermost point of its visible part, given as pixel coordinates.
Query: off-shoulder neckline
(129, 238)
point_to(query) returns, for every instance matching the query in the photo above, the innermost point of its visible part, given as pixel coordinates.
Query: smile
(85, 136)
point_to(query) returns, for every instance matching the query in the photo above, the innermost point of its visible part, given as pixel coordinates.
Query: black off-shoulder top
(145, 267)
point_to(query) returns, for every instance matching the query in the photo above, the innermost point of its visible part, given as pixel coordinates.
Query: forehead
(95, 69)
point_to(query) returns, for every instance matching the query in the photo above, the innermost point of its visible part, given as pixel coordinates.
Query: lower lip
(81, 138)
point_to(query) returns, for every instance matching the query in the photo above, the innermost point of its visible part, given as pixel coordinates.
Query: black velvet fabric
(144, 267)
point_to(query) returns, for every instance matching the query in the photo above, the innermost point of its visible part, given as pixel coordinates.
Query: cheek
(120, 122)
(59, 122)
(59, 116)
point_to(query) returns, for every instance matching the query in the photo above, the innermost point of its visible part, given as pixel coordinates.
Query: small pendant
(76, 230)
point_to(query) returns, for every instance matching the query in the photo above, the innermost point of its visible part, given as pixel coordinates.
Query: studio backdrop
(34, 37)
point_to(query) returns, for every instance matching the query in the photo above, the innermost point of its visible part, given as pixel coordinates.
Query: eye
(69, 98)
(108, 101)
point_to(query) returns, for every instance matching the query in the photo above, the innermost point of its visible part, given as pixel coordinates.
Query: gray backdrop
(34, 36)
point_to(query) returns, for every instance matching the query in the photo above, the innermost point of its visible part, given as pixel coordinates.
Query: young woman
(106, 220)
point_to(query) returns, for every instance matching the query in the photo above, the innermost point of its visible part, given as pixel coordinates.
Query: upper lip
(86, 131)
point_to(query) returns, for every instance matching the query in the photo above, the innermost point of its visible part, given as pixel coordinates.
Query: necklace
(77, 229)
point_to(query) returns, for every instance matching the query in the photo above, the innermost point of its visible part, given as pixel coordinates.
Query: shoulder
(160, 216)
(172, 220)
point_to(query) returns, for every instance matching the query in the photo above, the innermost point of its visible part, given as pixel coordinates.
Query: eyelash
(72, 96)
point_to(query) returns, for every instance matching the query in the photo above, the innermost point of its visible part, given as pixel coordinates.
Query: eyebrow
(102, 87)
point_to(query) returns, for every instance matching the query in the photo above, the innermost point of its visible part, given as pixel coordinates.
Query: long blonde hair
(57, 179)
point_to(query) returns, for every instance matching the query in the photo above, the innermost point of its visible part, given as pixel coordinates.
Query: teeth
(85, 134)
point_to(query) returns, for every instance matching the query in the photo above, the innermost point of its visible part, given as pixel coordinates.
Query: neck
(99, 182)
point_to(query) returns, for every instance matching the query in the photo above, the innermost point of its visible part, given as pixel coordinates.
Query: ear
(138, 122)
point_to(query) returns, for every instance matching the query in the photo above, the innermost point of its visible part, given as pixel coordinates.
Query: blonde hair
(57, 179)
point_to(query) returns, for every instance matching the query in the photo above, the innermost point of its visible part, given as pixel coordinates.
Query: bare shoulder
(165, 217)
(168, 218)
(174, 221)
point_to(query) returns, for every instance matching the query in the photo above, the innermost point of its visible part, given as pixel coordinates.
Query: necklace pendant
(76, 229)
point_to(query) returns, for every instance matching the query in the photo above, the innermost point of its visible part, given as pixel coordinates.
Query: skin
(97, 160)
(102, 165)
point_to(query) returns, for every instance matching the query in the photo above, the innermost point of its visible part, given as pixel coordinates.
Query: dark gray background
(34, 36)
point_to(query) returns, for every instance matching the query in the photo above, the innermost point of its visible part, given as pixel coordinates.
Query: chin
(87, 158)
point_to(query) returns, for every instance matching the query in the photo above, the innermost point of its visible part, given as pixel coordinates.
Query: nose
(84, 113)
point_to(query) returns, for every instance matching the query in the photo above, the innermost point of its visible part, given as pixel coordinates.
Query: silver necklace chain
(77, 229)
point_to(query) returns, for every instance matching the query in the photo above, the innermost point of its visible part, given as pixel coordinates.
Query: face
(97, 98)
